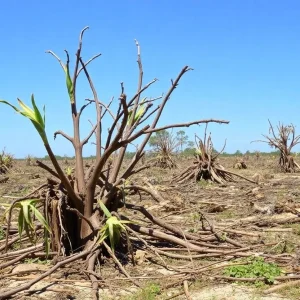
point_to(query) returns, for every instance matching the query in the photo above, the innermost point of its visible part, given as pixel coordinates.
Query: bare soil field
(247, 238)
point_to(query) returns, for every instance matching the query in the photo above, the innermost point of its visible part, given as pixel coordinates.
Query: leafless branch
(76, 73)
(151, 130)
(98, 110)
(58, 59)
(70, 139)
(83, 107)
(106, 108)
(89, 61)
(141, 91)
(83, 142)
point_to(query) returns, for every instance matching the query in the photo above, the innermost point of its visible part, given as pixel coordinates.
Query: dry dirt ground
(264, 216)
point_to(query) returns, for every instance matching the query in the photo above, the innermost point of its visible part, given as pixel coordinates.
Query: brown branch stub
(186, 125)
(47, 168)
(59, 132)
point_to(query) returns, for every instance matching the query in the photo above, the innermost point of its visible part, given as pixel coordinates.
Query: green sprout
(69, 171)
(27, 209)
(33, 115)
(113, 227)
(138, 113)
(69, 83)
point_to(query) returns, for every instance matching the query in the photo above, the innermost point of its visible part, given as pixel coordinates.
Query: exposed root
(186, 290)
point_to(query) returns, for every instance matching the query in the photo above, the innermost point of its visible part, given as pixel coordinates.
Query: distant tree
(190, 149)
(238, 152)
(157, 137)
(190, 144)
(182, 138)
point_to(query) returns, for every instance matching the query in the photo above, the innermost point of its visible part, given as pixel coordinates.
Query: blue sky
(245, 55)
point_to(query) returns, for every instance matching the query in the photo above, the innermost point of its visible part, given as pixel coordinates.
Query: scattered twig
(186, 290)
(119, 264)
(7, 294)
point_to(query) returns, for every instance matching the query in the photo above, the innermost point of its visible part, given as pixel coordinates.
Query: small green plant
(113, 227)
(195, 217)
(139, 113)
(223, 236)
(149, 292)
(33, 115)
(29, 160)
(69, 170)
(296, 229)
(255, 268)
(16, 246)
(27, 210)
(283, 247)
(6, 162)
(2, 234)
(204, 184)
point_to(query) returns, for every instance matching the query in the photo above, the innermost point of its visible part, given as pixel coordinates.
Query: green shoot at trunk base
(27, 209)
(112, 228)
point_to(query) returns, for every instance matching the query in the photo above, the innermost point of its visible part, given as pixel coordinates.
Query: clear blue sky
(245, 55)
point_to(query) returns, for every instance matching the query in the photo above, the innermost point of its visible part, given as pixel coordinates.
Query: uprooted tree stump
(164, 144)
(283, 140)
(164, 161)
(240, 164)
(6, 162)
(80, 218)
(206, 166)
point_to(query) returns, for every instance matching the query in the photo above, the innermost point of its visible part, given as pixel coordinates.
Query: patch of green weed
(255, 268)
(204, 183)
(292, 293)
(2, 234)
(284, 247)
(149, 292)
(16, 245)
(194, 218)
(295, 227)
